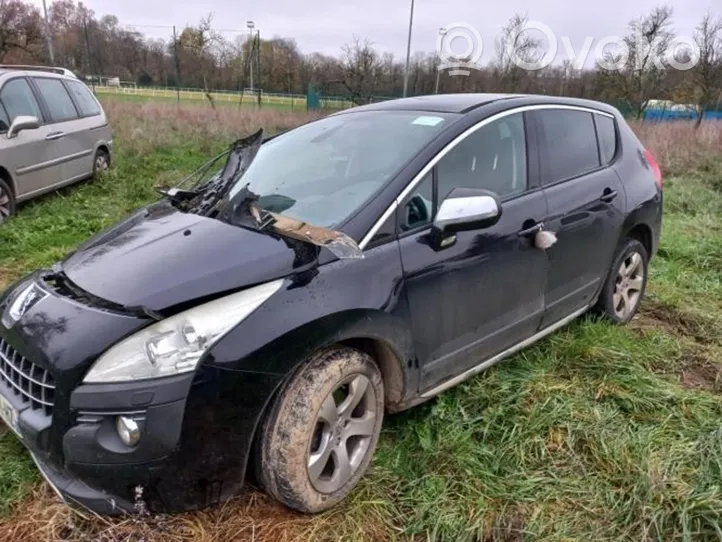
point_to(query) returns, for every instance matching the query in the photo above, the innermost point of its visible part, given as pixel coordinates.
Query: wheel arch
(389, 363)
(106, 149)
(5, 176)
(642, 233)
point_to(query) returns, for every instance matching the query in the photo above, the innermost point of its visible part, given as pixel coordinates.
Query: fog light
(128, 430)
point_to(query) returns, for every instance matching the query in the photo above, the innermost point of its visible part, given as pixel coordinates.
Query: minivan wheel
(101, 163)
(7, 201)
(626, 282)
(318, 438)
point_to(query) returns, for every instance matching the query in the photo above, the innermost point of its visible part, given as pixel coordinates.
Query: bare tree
(643, 75)
(360, 67)
(20, 29)
(707, 74)
(514, 45)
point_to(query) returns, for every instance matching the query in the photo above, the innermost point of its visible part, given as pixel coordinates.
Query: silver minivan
(53, 132)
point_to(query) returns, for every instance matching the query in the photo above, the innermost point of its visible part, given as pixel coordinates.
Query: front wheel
(318, 439)
(625, 284)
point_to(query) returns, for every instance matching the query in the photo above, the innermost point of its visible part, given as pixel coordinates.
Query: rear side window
(83, 98)
(607, 134)
(59, 103)
(570, 143)
(18, 100)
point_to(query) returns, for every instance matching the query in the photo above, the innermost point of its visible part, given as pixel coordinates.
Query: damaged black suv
(264, 315)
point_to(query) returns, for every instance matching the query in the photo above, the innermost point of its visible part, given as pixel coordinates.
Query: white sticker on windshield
(428, 121)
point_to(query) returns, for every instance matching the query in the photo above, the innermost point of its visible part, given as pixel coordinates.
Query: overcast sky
(325, 25)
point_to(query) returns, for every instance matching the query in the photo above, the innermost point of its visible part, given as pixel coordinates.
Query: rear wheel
(318, 438)
(626, 282)
(101, 163)
(7, 200)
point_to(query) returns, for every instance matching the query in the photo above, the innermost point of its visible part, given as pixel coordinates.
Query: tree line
(198, 56)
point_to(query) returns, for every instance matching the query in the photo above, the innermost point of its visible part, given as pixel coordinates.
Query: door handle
(532, 230)
(608, 195)
(54, 135)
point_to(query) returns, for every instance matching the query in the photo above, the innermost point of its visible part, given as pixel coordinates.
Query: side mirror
(23, 123)
(467, 209)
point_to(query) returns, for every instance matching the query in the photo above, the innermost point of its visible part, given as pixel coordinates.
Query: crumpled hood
(161, 257)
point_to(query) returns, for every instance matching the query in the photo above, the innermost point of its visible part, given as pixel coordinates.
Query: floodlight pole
(48, 37)
(408, 50)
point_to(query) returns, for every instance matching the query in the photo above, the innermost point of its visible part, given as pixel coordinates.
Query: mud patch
(654, 315)
(701, 377)
(508, 527)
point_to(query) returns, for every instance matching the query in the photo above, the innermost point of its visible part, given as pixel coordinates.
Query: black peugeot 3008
(266, 313)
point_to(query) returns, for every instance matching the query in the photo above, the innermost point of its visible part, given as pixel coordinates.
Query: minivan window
(57, 98)
(492, 158)
(324, 171)
(83, 98)
(18, 99)
(607, 134)
(570, 143)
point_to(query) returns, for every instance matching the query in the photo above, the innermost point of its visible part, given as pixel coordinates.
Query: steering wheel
(416, 212)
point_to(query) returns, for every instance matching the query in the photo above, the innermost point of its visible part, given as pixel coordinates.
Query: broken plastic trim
(340, 244)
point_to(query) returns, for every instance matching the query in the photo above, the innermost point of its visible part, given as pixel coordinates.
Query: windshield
(322, 172)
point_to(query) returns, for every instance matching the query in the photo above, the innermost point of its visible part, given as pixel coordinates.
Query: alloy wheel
(5, 203)
(342, 434)
(101, 163)
(628, 286)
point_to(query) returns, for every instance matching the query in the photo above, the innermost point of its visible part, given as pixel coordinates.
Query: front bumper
(196, 429)
(76, 493)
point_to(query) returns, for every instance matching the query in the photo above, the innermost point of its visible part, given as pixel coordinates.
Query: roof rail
(61, 71)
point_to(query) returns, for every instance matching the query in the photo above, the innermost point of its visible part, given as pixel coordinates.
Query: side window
(18, 99)
(570, 143)
(607, 135)
(4, 120)
(59, 103)
(418, 209)
(84, 98)
(492, 158)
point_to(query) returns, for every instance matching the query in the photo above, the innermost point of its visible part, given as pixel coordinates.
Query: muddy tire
(624, 289)
(7, 201)
(318, 437)
(101, 163)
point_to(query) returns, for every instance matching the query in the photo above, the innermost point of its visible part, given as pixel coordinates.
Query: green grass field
(168, 96)
(597, 433)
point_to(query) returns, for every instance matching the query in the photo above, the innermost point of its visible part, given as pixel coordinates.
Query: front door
(32, 158)
(484, 290)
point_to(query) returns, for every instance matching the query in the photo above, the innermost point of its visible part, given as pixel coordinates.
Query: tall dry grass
(679, 147)
(144, 127)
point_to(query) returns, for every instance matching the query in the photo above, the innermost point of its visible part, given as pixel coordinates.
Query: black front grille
(33, 384)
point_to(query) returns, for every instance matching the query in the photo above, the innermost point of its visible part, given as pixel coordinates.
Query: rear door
(586, 205)
(481, 291)
(32, 159)
(69, 129)
(95, 130)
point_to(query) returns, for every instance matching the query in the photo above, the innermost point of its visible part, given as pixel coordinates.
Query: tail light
(655, 168)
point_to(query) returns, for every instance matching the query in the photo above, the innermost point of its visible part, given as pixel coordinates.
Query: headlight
(176, 344)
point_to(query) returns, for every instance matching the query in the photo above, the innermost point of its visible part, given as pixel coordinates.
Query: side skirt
(497, 358)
